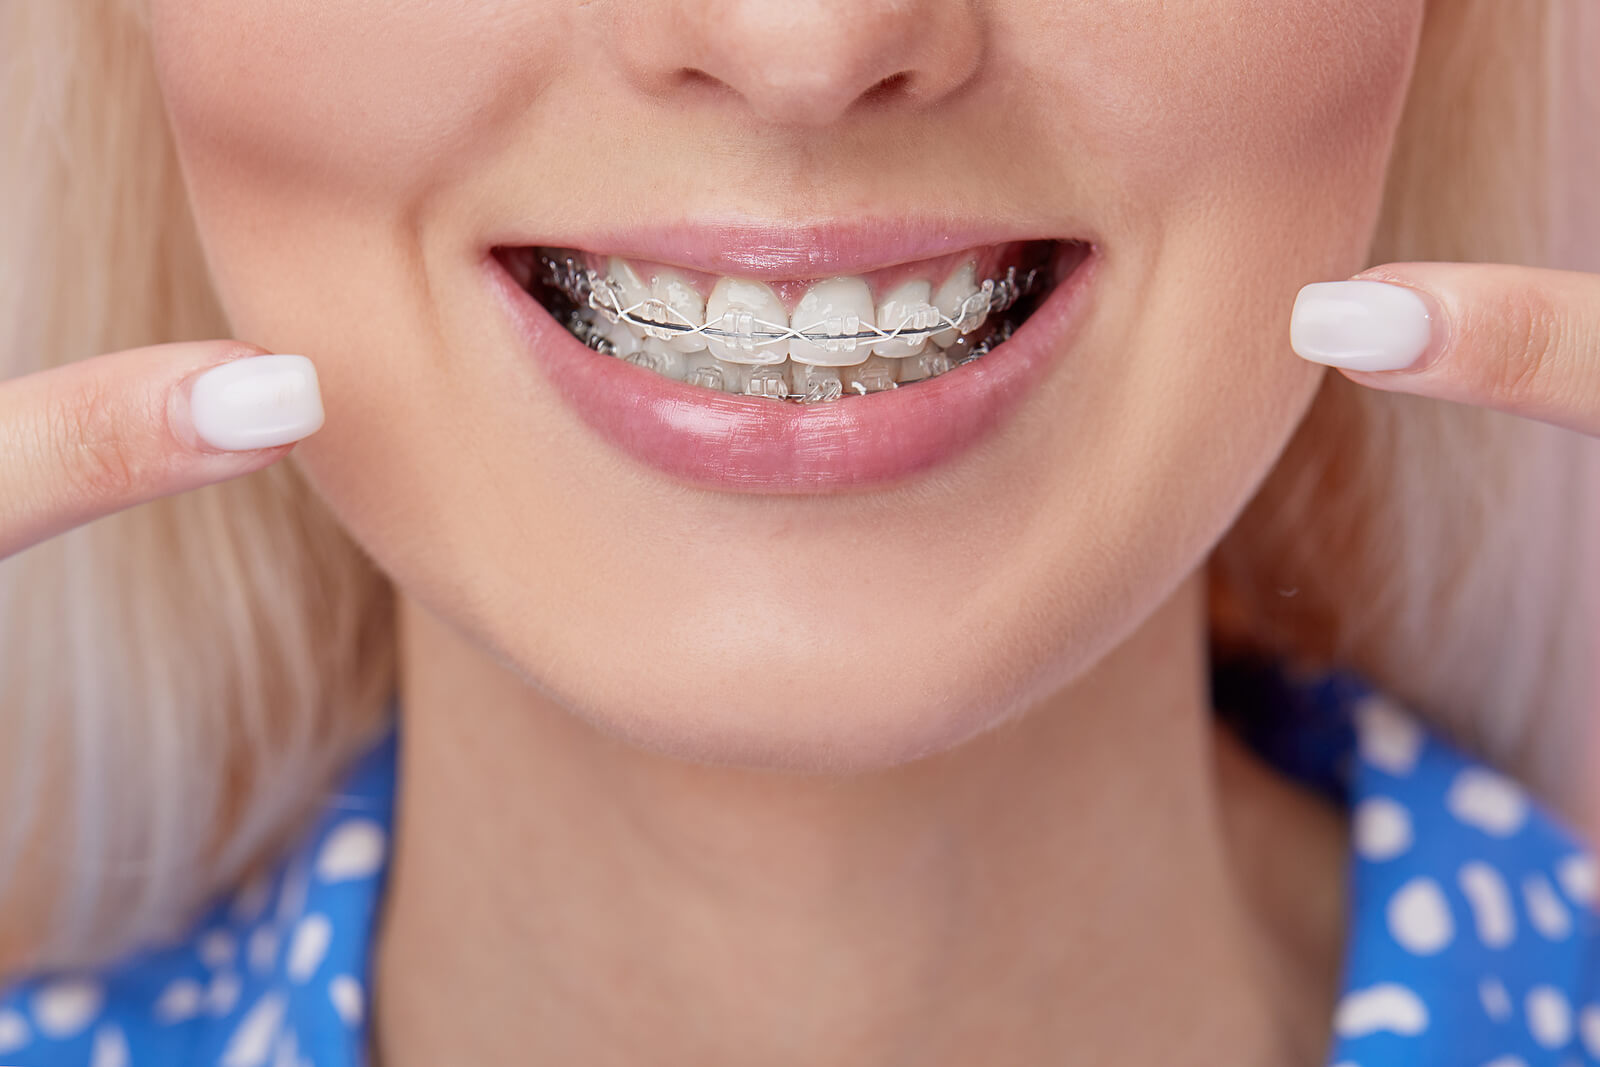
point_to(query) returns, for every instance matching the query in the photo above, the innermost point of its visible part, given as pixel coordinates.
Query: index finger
(1524, 340)
(101, 434)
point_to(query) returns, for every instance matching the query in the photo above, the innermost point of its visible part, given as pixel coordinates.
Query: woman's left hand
(1522, 340)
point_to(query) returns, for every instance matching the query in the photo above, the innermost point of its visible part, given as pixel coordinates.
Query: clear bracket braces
(586, 289)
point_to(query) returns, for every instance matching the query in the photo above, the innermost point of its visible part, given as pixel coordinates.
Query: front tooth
(674, 300)
(907, 306)
(949, 299)
(745, 308)
(630, 289)
(838, 306)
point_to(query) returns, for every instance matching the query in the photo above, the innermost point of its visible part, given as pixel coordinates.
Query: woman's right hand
(98, 435)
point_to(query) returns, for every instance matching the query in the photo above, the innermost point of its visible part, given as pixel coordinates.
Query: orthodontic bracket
(586, 289)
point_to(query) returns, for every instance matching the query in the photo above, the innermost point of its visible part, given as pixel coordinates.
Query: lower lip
(748, 444)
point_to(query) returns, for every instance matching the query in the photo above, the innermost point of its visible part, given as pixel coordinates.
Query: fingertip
(1361, 324)
(252, 402)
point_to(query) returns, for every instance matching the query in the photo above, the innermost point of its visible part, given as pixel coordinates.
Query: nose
(801, 62)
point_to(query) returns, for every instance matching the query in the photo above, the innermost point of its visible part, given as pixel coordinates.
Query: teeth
(874, 375)
(740, 339)
(623, 340)
(907, 306)
(674, 300)
(745, 309)
(630, 288)
(841, 308)
(814, 383)
(951, 297)
(769, 380)
(705, 370)
(930, 363)
(662, 358)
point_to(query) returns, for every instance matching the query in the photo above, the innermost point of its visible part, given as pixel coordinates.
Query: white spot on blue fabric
(1577, 874)
(223, 993)
(292, 896)
(1381, 829)
(1495, 998)
(1549, 1016)
(179, 1001)
(14, 1031)
(1387, 1006)
(1490, 900)
(217, 949)
(66, 1007)
(1545, 911)
(308, 947)
(1589, 1029)
(1389, 738)
(348, 999)
(355, 849)
(110, 1047)
(1419, 917)
(1487, 800)
(251, 1043)
(286, 1050)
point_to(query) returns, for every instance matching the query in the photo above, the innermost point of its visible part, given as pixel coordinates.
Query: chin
(692, 691)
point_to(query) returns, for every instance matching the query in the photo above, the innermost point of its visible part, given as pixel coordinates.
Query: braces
(585, 288)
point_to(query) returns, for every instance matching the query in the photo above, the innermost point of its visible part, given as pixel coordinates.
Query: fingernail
(256, 402)
(1359, 325)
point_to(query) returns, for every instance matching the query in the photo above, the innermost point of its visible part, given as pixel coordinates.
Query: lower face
(704, 421)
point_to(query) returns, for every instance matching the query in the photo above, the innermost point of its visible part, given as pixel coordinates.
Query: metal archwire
(584, 287)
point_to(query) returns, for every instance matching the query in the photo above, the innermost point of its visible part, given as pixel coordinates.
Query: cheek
(343, 97)
(1246, 93)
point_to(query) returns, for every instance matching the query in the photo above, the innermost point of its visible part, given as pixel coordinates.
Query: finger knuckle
(1533, 335)
(97, 452)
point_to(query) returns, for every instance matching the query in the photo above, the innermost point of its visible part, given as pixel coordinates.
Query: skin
(745, 838)
(654, 811)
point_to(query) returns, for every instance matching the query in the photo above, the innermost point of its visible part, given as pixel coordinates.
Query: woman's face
(826, 599)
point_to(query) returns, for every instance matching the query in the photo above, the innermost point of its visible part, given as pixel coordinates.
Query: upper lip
(791, 252)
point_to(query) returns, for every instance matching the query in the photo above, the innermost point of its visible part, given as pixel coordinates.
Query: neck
(1044, 892)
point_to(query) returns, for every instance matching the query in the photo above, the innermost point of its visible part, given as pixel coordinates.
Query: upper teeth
(834, 324)
(740, 310)
(838, 310)
(907, 307)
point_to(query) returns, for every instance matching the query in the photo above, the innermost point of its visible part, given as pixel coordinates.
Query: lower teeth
(571, 293)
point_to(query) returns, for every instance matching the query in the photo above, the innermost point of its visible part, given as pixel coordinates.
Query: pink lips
(751, 444)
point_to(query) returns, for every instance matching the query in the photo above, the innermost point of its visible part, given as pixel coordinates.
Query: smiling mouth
(802, 341)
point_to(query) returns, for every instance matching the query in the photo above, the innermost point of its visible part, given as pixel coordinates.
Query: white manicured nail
(1359, 325)
(256, 402)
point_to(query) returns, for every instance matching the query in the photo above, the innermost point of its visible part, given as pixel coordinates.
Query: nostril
(889, 88)
(694, 78)
(775, 98)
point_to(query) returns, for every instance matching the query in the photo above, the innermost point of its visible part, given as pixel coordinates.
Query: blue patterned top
(1472, 939)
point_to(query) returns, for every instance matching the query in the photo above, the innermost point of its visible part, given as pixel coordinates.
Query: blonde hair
(179, 681)
(1447, 552)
